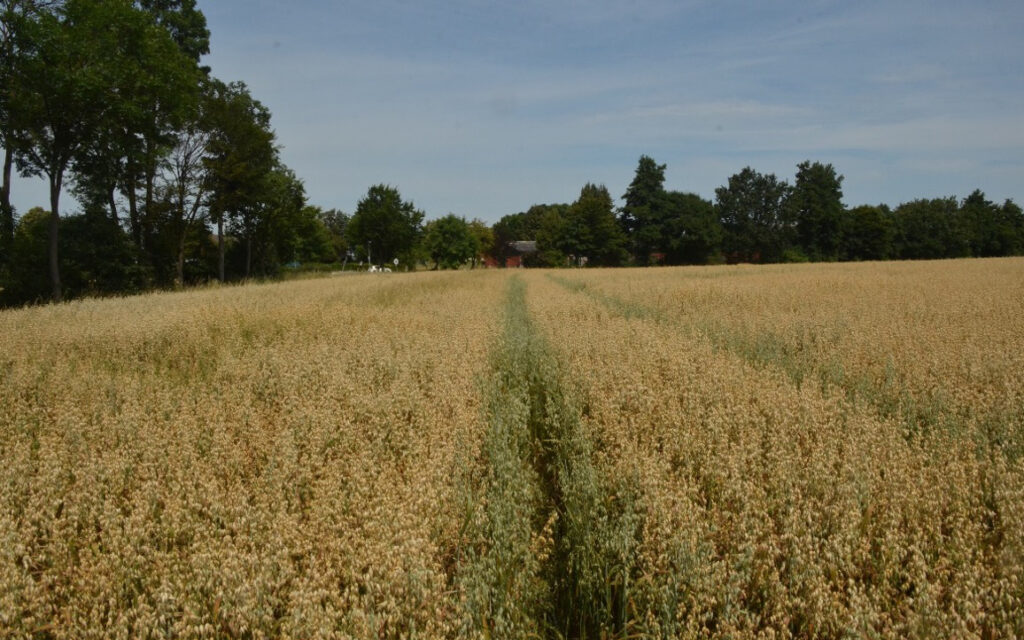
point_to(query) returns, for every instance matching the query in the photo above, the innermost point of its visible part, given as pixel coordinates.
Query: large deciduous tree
(815, 208)
(64, 96)
(166, 99)
(273, 227)
(240, 155)
(751, 210)
(990, 229)
(156, 86)
(312, 239)
(184, 189)
(336, 224)
(99, 87)
(484, 236)
(384, 226)
(1012, 219)
(541, 223)
(15, 15)
(677, 228)
(449, 242)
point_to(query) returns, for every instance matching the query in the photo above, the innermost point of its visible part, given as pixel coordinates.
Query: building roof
(524, 246)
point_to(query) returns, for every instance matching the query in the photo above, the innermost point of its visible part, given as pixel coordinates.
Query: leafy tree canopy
(927, 229)
(185, 23)
(590, 230)
(990, 229)
(449, 242)
(815, 207)
(643, 214)
(691, 233)
(484, 236)
(868, 233)
(750, 208)
(241, 149)
(384, 226)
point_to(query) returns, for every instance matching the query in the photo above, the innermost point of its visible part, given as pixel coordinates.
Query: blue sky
(484, 108)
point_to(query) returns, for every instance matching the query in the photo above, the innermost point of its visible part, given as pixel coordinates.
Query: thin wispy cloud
(484, 108)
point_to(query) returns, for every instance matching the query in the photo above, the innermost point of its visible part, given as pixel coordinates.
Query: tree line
(758, 218)
(178, 179)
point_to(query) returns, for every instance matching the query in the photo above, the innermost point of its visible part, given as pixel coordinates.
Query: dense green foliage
(751, 209)
(385, 227)
(644, 211)
(815, 209)
(106, 98)
(449, 242)
(667, 226)
(589, 233)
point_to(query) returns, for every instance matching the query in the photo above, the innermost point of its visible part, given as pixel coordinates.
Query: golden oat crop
(823, 451)
(256, 461)
(787, 451)
(932, 343)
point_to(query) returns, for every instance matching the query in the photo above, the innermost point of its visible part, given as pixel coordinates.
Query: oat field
(806, 451)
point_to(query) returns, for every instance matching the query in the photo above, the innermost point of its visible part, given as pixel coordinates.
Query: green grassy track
(553, 546)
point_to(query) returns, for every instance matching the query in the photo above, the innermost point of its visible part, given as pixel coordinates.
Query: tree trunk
(180, 278)
(112, 203)
(6, 211)
(150, 176)
(220, 247)
(248, 255)
(133, 211)
(55, 184)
